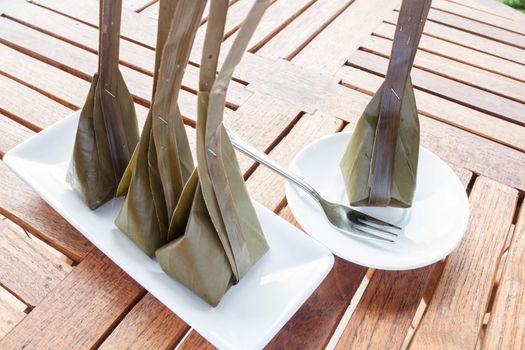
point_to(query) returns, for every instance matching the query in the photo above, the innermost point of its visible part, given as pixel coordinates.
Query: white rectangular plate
(250, 313)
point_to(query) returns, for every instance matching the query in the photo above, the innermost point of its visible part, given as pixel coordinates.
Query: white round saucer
(432, 227)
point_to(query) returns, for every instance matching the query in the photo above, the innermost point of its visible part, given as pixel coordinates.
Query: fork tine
(377, 221)
(377, 227)
(368, 235)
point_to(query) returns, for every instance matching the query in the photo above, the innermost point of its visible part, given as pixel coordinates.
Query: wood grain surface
(506, 328)
(385, 313)
(462, 293)
(78, 313)
(33, 271)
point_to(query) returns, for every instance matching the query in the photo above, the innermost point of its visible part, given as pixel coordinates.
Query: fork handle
(264, 159)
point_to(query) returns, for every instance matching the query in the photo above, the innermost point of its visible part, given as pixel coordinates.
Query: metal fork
(345, 219)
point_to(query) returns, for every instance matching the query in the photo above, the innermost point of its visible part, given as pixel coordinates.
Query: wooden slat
(478, 28)
(63, 87)
(131, 54)
(141, 29)
(195, 341)
(301, 29)
(469, 40)
(387, 308)
(28, 210)
(452, 113)
(261, 121)
(277, 17)
(315, 322)
(506, 328)
(151, 10)
(33, 271)
(462, 294)
(149, 325)
(136, 5)
(328, 51)
(11, 134)
(28, 106)
(461, 53)
(80, 311)
(492, 7)
(264, 185)
(79, 61)
(450, 89)
(11, 312)
(478, 15)
(451, 69)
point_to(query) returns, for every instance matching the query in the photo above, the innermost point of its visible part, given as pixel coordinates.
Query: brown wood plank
(11, 312)
(326, 53)
(80, 311)
(469, 40)
(131, 54)
(492, 7)
(30, 108)
(462, 293)
(261, 121)
(79, 62)
(58, 85)
(277, 17)
(506, 329)
(142, 29)
(479, 15)
(151, 10)
(33, 270)
(452, 113)
(450, 89)
(387, 308)
(61, 86)
(301, 29)
(11, 134)
(195, 341)
(28, 210)
(149, 325)
(264, 185)
(478, 28)
(461, 53)
(137, 5)
(451, 69)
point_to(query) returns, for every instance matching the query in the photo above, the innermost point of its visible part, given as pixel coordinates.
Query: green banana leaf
(222, 237)
(94, 172)
(357, 159)
(163, 163)
(91, 173)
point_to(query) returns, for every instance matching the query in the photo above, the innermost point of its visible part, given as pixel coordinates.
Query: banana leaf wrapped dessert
(107, 131)
(162, 162)
(221, 235)
(379, 166)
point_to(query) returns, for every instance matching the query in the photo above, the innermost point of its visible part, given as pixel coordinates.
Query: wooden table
(310, 70)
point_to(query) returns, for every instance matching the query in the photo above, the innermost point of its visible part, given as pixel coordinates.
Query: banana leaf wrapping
(379, 166)
(107, 132)
(162, 162)
(357, 159)
(222, 237)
